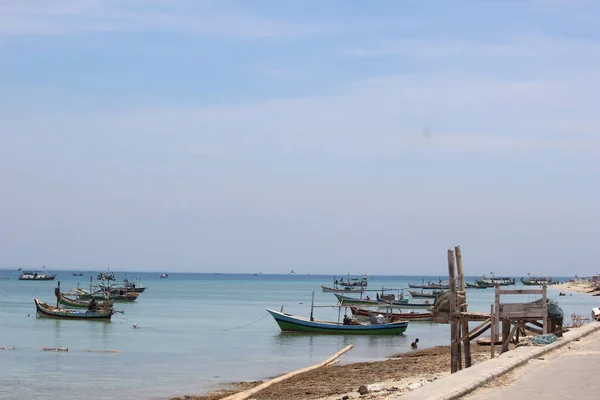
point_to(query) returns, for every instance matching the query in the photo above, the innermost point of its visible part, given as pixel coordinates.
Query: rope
(243, 326)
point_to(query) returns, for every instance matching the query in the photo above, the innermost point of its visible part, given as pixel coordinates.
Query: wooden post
(452, 317)
(505, 335)
(461, 287)
(497, 309)
(545, 311)
(312, 306)
(492, 330)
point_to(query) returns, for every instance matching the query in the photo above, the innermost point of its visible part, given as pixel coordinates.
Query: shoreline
(580, 286)
(398, 374)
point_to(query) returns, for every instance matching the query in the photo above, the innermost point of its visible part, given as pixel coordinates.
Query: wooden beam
(508, 337)
(453, 324)
(469, 334)
(520, 291)
(492, 330)
(466, 343)
(545, 306)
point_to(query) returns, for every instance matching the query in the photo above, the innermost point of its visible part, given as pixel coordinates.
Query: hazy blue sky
(323, 136)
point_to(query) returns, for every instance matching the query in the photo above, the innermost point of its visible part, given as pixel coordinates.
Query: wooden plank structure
(452, 308)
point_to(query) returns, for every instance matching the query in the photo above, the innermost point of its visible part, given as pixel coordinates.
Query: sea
(195, 333)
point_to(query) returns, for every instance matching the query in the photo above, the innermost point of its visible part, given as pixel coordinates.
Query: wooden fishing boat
(429, 285)
(48, 311)
(77, 273)
(404, 303)
(425, 295)
(114, 295)
(291, 323)
(475, 286)
(393, 316)
(76, 303)
(536, 281)
(346, 289)
(353, 282)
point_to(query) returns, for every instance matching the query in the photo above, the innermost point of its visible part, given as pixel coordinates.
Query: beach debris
(54, 349)
(362, 390)
(595, 313)
(135, 326)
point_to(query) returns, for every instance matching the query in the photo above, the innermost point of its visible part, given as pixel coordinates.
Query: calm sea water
(196, 332)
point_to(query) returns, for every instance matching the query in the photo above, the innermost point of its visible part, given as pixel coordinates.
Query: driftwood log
(247, 393)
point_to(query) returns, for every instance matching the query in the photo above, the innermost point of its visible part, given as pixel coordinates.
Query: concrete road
(572, 372)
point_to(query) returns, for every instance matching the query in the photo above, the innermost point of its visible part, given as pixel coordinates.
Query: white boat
(164, 275)
(36, 276)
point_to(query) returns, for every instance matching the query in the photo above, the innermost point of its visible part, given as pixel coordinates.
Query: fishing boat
(48, 311)
(291, 323)
(346, 289)
(475, 285)
(404, 303)
(136, 286)
(77, 273)
(75, 303)
(536, 281)
(393, 316)
(164, 276)
(495, 280)
(425, 295)
(430, 285)
(106, 276)
(114, 295)
(36, 276)
(352, 282)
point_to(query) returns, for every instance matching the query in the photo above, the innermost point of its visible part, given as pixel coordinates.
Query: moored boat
(404, 303)
(291, 323)
(76, 303)
(393, 316)
(114, 295)
(346, 289)
(77, 273)
(536, 281)
(425, 295)
(48, 311)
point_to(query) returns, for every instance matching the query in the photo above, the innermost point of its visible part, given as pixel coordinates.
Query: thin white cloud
(40, 17)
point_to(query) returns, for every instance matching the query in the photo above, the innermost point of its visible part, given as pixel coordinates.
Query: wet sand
(384, 379)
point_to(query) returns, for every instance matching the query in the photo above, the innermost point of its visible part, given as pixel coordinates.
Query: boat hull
(47, 311)
(290, 323)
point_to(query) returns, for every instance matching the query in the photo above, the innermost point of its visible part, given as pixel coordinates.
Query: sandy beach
(384, 379)
(580, 286)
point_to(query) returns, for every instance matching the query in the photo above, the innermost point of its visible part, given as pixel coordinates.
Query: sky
(320, 136)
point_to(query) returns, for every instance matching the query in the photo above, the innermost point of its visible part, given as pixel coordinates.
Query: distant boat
(164, 275)
(292, 272)
(362, 282)
(36, 276)
(291, 323)
(403, 303)
(77, 273)
(48, 311)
